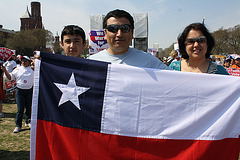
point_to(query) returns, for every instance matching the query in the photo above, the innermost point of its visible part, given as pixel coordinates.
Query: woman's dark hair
(118, 14)
(200, 27)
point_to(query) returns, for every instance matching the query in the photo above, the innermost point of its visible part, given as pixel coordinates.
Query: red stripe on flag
(57, 142)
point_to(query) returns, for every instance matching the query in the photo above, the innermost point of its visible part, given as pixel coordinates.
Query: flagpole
(203, 20)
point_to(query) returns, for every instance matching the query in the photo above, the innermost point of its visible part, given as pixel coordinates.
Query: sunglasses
(114, 28)
(200, 40)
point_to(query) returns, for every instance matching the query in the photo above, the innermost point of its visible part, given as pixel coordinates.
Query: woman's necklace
(198, 69)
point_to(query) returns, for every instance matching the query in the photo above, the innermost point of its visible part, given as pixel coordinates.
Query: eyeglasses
(114, 28)
(200, 40)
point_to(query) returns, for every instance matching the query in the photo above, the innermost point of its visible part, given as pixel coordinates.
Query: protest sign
(97, 41)
(5, 53)
(234, 71)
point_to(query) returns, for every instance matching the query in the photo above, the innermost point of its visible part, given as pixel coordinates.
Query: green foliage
(86, 49)
(227, 40)
(57, 48)
(25, 42)
(166, 51)
(3, 40)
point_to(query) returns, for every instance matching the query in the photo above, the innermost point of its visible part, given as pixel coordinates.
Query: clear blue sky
(167, 18)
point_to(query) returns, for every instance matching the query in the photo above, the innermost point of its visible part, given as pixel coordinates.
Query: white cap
(237, 56)
(26, 57)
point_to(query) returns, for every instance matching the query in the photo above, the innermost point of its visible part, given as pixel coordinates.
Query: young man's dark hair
(118, 14)
(73, 30)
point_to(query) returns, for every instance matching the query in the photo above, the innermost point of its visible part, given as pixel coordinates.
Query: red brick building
(33, 20)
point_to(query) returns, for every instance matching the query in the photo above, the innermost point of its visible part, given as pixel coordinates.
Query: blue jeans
(24, 100)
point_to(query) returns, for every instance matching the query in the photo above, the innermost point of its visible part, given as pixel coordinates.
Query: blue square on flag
(88, 116)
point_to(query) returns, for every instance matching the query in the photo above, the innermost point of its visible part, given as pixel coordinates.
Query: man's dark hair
(73, 30)
(118, 14)
(198, 27)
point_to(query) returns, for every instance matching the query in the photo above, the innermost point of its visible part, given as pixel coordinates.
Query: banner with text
(234, 71)
(5, 53)
(153, 51)
(97, 41)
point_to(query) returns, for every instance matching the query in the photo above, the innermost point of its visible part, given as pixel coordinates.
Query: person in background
(24, 79)
(195, 46)
(237, 62)
(227, 63)
(73, 40)
(172, 57)
(18, 60)
(218, 61)
(10, 65)
(118, 27)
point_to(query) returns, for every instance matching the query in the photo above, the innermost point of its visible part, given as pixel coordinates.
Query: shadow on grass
(10, 115)
(26, 129)
(14, 155)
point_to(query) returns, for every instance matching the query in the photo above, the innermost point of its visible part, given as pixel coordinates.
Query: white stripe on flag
(34, 109)
(170, 104)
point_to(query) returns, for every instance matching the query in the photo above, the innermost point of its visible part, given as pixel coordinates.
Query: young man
(73, 40)
(237, 62)
(118, 27)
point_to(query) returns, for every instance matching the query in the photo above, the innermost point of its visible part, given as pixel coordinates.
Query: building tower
(36, 14)
(57, 39)
(27, 22)
(34, 20)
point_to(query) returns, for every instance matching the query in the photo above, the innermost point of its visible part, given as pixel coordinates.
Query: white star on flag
(70, 92)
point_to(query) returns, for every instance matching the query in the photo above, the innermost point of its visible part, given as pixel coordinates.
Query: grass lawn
(13, 146)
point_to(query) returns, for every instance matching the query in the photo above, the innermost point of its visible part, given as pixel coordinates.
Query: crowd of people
(195, 46)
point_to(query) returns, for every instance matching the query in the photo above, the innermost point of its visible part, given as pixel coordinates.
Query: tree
(3, 40)
(25, 42)
(86, 49)
(227, 40)
(49, 38)
(40, 35)
(234, 39)
(166, 51)
(221, 41)
(57, 48)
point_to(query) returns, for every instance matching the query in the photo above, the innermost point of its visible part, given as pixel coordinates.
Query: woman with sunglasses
(195, 46)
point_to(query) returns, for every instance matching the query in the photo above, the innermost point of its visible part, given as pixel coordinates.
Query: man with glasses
(118, 27)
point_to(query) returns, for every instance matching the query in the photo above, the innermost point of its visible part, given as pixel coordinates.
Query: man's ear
(84, 45)
(105, 32)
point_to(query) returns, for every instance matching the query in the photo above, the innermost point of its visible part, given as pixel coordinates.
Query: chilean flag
(86, 110)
